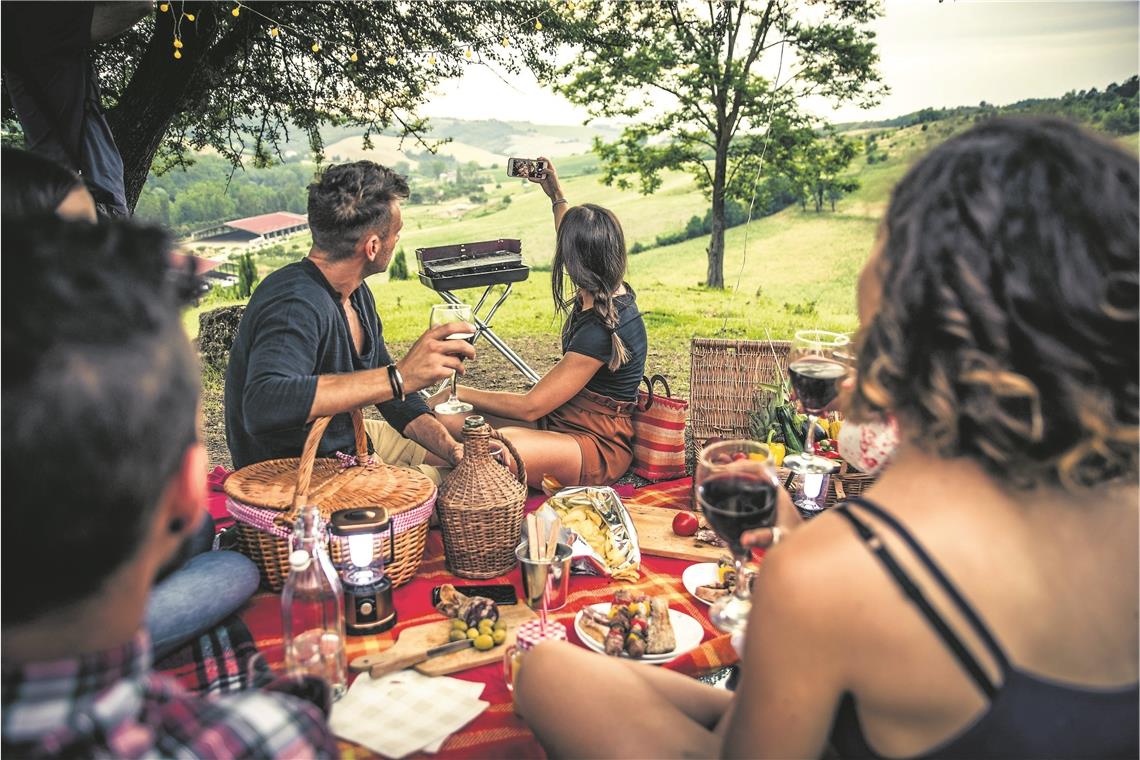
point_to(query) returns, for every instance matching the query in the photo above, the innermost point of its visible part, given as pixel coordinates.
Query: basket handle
(649, 382)
(648, 392)
(520, 466)
(309, 457)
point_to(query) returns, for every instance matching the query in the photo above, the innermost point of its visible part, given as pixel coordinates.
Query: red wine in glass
(734, 503)
(816, 381)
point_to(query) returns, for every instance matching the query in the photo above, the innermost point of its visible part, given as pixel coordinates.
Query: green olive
(500, 635)
(457, 635)
(458, 625)
(486, 626)
(472, 633)
(500, 625)
(483, 642)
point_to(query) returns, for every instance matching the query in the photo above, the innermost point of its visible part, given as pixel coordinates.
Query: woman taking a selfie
(575, 423)
(981, 601)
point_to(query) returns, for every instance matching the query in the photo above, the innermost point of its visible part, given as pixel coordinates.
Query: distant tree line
(1116, 110)
(210, 191)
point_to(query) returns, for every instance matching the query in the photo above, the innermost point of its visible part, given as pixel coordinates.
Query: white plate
(686, 630)
(700, 574)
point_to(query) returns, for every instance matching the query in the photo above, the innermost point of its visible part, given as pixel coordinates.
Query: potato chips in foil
(604, 537)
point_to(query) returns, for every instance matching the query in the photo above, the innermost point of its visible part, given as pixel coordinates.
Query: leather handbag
(659, 433)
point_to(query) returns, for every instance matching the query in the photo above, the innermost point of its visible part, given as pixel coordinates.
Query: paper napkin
(405, 712)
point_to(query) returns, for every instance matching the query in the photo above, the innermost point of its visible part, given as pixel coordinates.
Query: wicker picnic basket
(724, 384)
(724, 387)
(481, 507)
(266, 498)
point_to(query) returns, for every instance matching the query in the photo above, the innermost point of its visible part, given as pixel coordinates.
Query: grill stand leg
(483, 326)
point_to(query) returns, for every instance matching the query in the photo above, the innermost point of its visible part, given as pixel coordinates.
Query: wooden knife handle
(387, 662)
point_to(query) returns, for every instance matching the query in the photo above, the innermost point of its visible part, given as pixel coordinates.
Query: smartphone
(499, 593)
(527, 168)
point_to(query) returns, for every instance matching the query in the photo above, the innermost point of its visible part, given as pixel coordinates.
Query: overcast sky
(958, 52)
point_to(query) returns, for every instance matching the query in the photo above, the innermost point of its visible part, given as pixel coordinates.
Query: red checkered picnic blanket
(498, 732)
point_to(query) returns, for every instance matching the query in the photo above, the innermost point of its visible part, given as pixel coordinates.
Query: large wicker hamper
(265, 499)
(725, 386)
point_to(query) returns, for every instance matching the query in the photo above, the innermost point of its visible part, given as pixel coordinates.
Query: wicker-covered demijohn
(481, 507)
(265, 499)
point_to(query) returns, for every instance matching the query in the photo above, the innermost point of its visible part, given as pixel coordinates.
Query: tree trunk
(163, 86)
(715, 276)
(157, 92)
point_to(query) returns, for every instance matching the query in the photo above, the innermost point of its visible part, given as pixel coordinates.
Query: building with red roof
(254, 230)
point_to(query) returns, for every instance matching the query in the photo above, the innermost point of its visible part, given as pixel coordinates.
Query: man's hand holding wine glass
(434, 357)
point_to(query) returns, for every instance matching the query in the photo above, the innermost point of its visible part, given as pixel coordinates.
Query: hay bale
(217, 330)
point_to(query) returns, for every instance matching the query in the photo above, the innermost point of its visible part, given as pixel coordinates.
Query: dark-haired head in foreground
(102, 466)
(103, 477)
(1000, 315)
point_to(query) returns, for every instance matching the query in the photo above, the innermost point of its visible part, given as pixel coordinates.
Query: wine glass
(442, 314)
(818, 363)
(736, 492)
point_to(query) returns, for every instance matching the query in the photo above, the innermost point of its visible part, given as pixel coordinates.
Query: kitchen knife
(389, 662)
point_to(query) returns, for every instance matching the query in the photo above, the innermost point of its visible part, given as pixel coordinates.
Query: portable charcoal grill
(485, 264)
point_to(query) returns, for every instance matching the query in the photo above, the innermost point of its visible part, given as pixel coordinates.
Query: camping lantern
(368, 603)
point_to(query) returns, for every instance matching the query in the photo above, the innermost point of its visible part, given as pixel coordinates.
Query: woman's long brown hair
(591, 252)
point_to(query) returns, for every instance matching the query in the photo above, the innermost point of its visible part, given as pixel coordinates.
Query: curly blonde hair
(1007, 330)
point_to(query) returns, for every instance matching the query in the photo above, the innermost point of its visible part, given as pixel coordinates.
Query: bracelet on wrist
(397, 383)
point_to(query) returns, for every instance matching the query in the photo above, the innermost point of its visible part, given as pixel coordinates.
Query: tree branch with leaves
(706, 81)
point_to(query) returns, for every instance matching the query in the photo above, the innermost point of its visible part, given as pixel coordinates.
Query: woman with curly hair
(575, 423)
(981, 601)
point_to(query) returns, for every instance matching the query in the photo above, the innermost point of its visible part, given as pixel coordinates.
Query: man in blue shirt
(310, 343)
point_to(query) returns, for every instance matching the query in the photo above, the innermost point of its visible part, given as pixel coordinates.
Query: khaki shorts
(394, 449)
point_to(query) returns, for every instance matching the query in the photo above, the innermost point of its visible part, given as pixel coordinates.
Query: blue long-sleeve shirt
(293, 331)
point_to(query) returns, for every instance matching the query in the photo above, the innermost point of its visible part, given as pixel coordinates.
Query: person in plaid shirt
(105, 476)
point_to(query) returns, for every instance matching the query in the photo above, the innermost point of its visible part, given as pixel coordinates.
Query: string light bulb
(236, 11)
(391, 60)
(537, 25)
(164, 7)
(190, 16)
(177, 54)
(431, 59)
(506, 41)
(274, 32)
(354, 57)
(177, 43)
(316, 48)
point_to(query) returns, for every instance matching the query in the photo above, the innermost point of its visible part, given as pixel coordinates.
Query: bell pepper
(778, 450)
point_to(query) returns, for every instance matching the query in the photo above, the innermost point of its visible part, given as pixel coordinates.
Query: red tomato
(685, 524)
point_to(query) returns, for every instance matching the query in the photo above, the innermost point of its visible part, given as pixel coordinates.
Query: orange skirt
(603, 428)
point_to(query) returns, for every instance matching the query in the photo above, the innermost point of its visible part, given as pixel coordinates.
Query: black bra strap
(914, 593)
(951, 590)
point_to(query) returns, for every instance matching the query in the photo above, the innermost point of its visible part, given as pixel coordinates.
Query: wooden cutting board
(420, 638)
(655, 536)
